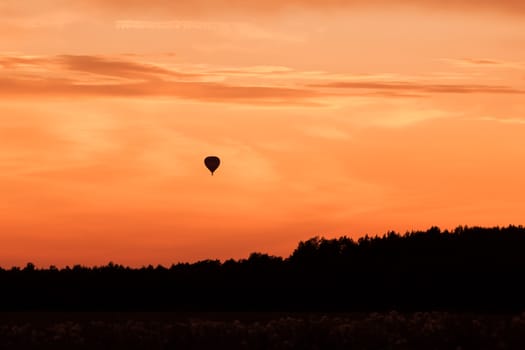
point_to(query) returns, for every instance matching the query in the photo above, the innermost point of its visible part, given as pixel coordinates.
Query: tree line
(466, 269)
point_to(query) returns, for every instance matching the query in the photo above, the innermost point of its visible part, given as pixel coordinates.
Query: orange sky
(330, 117)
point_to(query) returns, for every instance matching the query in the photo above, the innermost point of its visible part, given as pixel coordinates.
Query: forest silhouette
(471, 269)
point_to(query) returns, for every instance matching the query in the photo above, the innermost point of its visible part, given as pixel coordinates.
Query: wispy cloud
(484, 63)
(118, 68)
(135, 76)
(420, 87)
(210, 6)
(205, 91)
(66, 76)
(22, 61)
(198, 8)
(503, 120)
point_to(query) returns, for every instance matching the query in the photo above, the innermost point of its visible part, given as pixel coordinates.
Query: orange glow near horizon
(330, 118)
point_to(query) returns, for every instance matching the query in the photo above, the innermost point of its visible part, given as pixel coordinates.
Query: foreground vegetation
(391, 330)
(468, 269)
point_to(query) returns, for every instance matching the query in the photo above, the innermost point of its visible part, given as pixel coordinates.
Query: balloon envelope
(212, 163)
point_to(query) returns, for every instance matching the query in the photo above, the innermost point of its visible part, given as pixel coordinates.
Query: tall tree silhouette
(468, 268)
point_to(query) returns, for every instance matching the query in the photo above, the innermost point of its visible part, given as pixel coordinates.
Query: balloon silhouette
(212, 163)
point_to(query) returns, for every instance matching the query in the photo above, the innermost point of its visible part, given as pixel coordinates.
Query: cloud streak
(121, 76)
(421, 88)
(31, 76)
(117, 68)
(199, 8)
(204, 91)
(211, 6)
(485, 63)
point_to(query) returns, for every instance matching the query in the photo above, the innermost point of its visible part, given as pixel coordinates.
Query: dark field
(452, 290)
(387, 330)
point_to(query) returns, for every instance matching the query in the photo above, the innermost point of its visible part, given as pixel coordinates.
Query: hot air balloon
(212, 163)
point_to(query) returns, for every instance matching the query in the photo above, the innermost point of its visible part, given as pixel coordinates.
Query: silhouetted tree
(468, 268)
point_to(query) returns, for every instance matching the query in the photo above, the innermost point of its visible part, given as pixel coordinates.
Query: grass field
(157, 330)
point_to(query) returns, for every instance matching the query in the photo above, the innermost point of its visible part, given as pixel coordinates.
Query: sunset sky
(331, 118)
